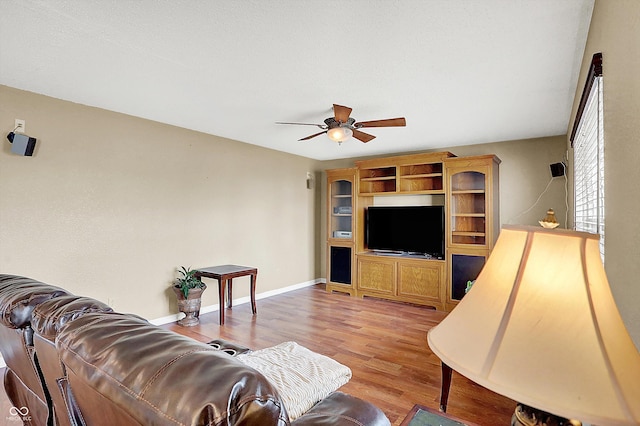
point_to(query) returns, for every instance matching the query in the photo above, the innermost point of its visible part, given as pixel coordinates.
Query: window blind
(589, 166)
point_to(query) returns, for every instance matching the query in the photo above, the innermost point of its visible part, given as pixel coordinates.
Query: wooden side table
(225, 275)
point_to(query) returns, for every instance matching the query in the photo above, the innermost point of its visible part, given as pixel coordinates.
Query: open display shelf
(409, 174)
(379, 180)
(421, 178)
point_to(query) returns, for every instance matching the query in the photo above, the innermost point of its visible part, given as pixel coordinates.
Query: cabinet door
(464, 267)
(341, 209)
(376, 275)
(422, 282)
(340, 230)
(340, 265)
(467, 207)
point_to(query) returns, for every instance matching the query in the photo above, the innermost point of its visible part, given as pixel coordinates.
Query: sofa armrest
(341, 409)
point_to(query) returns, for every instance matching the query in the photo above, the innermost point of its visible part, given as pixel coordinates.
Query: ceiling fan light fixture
(341, 126)
(339, 134)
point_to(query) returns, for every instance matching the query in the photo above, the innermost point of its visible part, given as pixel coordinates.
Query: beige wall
(615, 31)
(110, 205)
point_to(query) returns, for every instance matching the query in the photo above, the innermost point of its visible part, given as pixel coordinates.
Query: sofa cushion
(128, 371)
(340, 409)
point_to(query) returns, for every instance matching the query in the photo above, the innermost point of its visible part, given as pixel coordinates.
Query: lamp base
(529, 416)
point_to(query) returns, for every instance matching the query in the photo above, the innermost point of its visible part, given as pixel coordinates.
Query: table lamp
(540, 326)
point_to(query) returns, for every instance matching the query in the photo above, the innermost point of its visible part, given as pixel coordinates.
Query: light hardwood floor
(384, 343)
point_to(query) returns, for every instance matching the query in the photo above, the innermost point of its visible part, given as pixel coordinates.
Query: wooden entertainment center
(468, 189)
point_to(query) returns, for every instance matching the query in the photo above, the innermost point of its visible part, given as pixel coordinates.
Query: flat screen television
(406, 229)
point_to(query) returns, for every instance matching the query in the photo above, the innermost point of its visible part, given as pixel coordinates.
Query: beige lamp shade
(540, 326)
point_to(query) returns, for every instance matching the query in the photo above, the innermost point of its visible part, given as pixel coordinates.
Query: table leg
(222, 284)
(253, 293)
(229, 292)
(446, 384)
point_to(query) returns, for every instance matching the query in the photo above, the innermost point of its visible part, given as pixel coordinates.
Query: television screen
(408, 229)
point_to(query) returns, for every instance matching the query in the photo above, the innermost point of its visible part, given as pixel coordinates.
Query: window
(587, 140)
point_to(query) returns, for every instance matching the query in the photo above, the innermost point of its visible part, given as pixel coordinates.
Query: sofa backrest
(125, 371)
(47, 320)
(20, 295)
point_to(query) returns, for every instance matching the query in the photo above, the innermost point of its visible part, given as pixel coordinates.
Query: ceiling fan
(341, 126)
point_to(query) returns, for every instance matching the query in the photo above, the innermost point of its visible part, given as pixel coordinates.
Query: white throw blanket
(301, 376)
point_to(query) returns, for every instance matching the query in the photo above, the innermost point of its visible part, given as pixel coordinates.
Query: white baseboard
(216, 307)
(240, 301)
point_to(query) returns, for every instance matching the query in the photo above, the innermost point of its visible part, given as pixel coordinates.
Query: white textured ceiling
(460, 71)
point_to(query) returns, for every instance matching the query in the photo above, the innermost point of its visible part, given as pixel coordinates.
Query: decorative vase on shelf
(549, 221)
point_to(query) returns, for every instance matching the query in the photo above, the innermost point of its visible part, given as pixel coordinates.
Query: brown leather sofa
(22, 379)
(71, 360)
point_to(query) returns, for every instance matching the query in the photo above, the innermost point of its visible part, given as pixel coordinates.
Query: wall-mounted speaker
(22, 144)
(557, 169)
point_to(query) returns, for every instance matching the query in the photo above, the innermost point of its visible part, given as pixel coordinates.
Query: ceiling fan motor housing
(332, 123)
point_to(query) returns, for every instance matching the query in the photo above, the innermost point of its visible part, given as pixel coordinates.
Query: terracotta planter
(190, 305)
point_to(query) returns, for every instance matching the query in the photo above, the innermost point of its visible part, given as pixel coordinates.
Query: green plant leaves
(188, 280)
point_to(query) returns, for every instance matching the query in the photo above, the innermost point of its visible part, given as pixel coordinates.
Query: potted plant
(188, 289)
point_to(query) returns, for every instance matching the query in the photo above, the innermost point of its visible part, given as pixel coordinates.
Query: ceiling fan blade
(322, 126)
(341, 113)
(312, 136)
(390, 122)
(362, 136)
